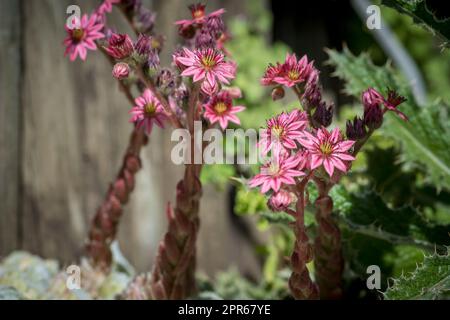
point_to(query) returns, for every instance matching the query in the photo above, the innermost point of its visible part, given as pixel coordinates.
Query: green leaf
(278, 217)
(366, 213)
(249, 202)
(421, 14)
(424, 138)
(431, 280)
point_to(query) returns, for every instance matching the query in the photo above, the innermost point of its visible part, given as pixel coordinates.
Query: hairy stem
(104, 226)
(328, 263)
(174, 272)
(300, 283)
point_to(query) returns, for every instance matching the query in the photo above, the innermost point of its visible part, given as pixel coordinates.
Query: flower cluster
(299, 144)
(165, 94)
(204, 30)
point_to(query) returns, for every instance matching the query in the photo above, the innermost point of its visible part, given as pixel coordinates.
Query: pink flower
(293, 71)
(283, 130)
(198, 15)
(220, 109)
(83, 37)
(106, 6)
(372, 101)
(206, 64)
(270, 74)
(120, 46)
(148, 110)
(280, 169)
(280, 201)
(121, 70)
(327, 149)
(393, 101)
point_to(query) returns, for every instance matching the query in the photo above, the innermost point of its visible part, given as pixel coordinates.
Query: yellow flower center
(326, 148)
(77, 35)
(150, 109)
(155, 43)
(198, 14)
(220, 107)
(273, 169)
(208, 62)
(293, 74)
(278, 131)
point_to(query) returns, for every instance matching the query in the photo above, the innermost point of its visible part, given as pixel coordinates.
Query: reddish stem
(300, 283)
(328, 263)
(174, 272)
(104, 226)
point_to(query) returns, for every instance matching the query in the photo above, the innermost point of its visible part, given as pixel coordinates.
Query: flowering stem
(300, 283)
(151, 86)
(307, 110)
(174, 272)
(104, 225)
(124, 88)
(328, 261)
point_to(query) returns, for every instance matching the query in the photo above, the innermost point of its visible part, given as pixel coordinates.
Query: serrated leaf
(421, 14)
(367, 214)
(424, 138)
(431, 280)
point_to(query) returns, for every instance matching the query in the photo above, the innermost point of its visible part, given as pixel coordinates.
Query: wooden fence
(63, 129)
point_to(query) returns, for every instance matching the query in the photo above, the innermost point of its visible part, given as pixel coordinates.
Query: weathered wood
(73, 133)
(10, 124)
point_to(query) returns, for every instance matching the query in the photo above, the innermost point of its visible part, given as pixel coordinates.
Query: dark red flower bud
(324, 114)
(356, 129)
(120, 46)
(277, 93)
(373, 113)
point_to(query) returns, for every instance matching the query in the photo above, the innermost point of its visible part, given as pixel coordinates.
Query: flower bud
(324, 114)
(153, 59)
(146, 19)
(120, 46)
(187, 31)
(208, 89)
(277, 93)
(143, 45)
(205, 40)
(373, 113)
(280, 201)
(235, 92)
(215, 26)
(166, 81)
(121, 71)
(356, 129)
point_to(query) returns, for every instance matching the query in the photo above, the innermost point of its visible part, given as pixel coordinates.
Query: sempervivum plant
(299, 149)
(192, 89)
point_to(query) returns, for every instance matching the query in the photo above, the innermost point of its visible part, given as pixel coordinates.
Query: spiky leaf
(431, 280)
(421, 14)
(367, 214)
(424, 138)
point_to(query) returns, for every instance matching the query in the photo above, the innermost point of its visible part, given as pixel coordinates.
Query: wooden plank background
(63, 129)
